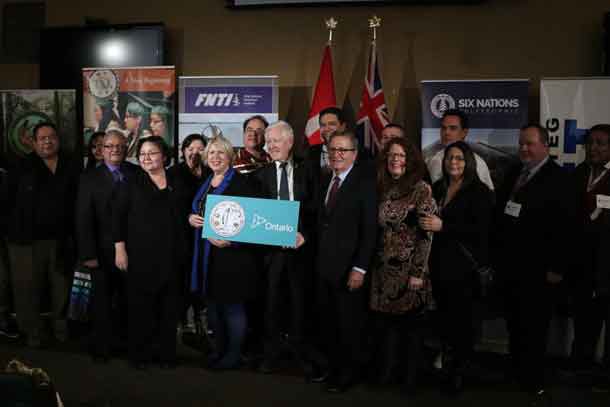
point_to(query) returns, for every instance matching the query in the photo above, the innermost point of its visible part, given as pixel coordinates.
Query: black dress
(466, 219)
(150, 222)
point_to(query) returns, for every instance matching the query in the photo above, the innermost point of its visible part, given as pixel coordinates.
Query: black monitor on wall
(64, 51)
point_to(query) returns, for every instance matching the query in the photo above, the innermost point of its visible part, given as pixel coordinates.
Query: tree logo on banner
(440, 104)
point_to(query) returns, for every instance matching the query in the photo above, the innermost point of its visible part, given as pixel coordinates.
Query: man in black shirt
(41, 196)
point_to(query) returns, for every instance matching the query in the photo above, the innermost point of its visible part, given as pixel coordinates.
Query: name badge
(603, 201)
(512, 209)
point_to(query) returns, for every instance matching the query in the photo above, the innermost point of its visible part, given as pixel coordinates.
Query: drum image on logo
(227, 218)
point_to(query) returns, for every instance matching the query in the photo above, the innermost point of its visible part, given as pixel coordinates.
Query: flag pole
(374, 23)
(331, 25)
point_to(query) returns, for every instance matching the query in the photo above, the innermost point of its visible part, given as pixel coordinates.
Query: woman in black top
(148, 230)
(223, 271)
(95, 150)
(459, 245)
(192, 173)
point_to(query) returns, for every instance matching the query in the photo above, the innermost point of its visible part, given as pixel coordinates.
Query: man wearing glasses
(251, 156)
(347, 224)
(96, 246)
(41, 194)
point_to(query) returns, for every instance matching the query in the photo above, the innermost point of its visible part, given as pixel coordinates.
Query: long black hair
(470, 168)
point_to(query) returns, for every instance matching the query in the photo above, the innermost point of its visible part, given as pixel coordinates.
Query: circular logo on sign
(441, 103)
(103, 83)
(227, 218)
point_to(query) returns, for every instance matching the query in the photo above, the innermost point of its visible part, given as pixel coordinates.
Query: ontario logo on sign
(270, 221)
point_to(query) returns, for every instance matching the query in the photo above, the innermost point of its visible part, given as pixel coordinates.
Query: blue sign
(251, 220)
(228, 99)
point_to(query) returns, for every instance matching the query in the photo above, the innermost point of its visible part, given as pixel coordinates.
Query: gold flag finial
(374, 23)
(331, 25)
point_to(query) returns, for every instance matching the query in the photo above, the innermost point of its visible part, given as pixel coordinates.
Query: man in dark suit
(590, 276)
(347, 225)
(331, 121)
(95, 244)
(528, 245)
(286, 178)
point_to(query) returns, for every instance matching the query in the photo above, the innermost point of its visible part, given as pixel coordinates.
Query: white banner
(568, 108)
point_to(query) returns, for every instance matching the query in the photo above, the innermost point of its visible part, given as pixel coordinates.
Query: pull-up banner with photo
(211, 105)
(496, 110)
(137, 101)
(568, 108)
(22, 110)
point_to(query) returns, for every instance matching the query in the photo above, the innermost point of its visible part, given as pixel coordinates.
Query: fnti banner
(22, 110)
(137, 101)
(496, 110)
(568, 108)
(211, 105)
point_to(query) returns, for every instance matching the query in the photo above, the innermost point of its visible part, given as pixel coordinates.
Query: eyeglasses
(455, 157)
(149, 154)
(113, 146)
(340, 151)
(401, 156)
(257, 131)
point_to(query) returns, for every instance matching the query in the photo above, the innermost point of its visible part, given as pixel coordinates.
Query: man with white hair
(287, 179)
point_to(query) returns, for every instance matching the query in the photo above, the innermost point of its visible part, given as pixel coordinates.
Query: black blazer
(24, 184)
(151, 223)
(347, 235)
(466, 221)
(94, 210)
(527, 247)
(591, 263)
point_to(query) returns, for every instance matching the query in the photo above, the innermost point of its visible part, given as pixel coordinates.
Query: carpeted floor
(83, 383)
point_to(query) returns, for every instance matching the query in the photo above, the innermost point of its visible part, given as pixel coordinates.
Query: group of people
(381, 240)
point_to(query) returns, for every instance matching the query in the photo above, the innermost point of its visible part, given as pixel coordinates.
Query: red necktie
(332, 194)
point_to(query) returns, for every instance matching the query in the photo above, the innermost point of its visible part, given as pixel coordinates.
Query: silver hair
(284, 127)
(224, 144)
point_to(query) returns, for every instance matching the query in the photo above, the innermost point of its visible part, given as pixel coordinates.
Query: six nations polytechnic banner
(568, 108)
(496, 109)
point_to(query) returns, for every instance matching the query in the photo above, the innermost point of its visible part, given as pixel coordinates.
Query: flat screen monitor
(64, 51)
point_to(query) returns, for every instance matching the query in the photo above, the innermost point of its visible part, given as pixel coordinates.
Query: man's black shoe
(316, 374)
(267, 367)
(540, 398)
(6, 330)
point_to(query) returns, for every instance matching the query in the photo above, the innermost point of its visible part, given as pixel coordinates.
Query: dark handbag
(80, 295)
(484, 275)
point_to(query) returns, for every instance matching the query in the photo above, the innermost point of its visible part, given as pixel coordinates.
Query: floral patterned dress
(403, 251)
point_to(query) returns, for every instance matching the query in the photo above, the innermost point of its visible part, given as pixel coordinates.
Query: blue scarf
(202, 194)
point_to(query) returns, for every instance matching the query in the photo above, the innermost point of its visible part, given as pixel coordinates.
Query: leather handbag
(484, 275)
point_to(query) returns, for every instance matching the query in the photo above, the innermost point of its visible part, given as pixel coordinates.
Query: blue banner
(496, 110)
(228, 99)
(211, 105)
(251, 220)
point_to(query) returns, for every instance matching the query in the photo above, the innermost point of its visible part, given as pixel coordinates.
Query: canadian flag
(323, 97)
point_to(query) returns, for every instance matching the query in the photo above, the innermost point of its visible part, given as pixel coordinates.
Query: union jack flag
(373, 114)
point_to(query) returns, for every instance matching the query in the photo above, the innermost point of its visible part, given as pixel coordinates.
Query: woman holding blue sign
(222, 270)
